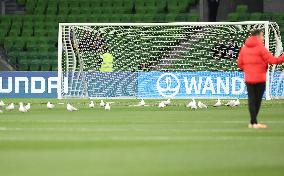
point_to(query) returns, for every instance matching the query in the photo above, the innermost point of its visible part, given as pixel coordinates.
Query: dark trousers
(255, 94)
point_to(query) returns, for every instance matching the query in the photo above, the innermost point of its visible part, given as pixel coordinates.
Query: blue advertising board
(28, 84)
(134, 84)
(277, 84)
(191, 84)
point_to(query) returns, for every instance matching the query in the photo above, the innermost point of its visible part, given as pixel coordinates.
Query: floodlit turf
(141, 141)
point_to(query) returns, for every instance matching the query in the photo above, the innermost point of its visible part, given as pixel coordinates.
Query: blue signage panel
(191, 84)
(28, 84)
(134, 84)
(277, 84)
(111, 84)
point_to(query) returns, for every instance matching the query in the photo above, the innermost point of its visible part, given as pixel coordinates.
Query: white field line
(95, 129)
(133, 122)
(143, 138)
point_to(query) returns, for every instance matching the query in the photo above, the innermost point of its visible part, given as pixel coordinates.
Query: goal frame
(60, 73)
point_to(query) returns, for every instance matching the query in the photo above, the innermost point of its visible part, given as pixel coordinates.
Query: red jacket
(254, 59)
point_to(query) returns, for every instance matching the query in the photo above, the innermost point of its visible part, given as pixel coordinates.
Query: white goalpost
(126, 60)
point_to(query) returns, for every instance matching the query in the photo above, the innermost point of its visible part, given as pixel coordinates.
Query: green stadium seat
(27, 31)
(52, 3)
(30, 6)
(278, 16)
(23, 66)
(193, 17)
(138, 3)
(52, 33)
(107, 10)
(243, 17)
(128, 4)
(19, 43)
(50, 18)
(21, 2)
(63, 10)
(23, 61)
(39, 32)
(14, 32)
(84, 3)
(120, 10)
(16, 48)
(38, 18)
(51, 10)
(85, 11)
(104, 18)
(74, 11)
(147, 10)
(71, 18)
(40, 10)
(242, 9)
(182, 17)
(35, 64)
(43, 47)
(117, 3)
(50, 25)
(267, 16)
(8, 43)
(255, 16)
(13, 57)
(149, 3)
(32, 47)
(233, 16)
(159, 18)
(125, 17)
(3, 31)
(28, 18)
(82, 19)
(174, 6)
(36, 32)
(144, 18)
(73, 4)
(6, 20)
(62, 18)
(45, 67)
(93, 18)
(54, 67)
(104, 3)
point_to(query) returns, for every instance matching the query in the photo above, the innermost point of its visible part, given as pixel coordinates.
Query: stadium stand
(30, 40)
(242, 14)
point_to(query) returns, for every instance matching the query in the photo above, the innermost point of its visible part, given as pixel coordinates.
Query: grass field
(141, 141)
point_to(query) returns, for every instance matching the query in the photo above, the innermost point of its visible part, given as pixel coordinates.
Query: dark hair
(256, 32)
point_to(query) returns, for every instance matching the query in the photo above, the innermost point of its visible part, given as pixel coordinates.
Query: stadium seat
(267, 16)
(242, 9)
(23, 62)
(233, 16)
(35, 64)
(255, 16)
(36, 31)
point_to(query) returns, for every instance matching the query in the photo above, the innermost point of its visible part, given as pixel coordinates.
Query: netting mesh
(276, 77)
(158, 47)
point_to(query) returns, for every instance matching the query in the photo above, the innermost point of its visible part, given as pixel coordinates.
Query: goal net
(125, 60)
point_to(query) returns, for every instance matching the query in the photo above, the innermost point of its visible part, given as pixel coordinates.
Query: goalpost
(123, 60)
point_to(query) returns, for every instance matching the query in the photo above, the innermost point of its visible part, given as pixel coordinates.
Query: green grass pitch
(140, 141)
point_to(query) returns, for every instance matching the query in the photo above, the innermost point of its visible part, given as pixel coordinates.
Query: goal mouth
(97, 58)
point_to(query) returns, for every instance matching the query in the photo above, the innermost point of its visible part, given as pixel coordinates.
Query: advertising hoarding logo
(168, 85)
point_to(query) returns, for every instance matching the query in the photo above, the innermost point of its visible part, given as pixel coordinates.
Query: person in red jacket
(253, 60)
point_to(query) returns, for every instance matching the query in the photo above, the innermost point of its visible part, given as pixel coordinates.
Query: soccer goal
(158, 60)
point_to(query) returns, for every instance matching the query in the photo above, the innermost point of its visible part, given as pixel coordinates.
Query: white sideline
(145, 138)
(136, 122)
(196, 130)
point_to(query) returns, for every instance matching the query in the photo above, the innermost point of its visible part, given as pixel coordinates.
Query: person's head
(258, 33)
